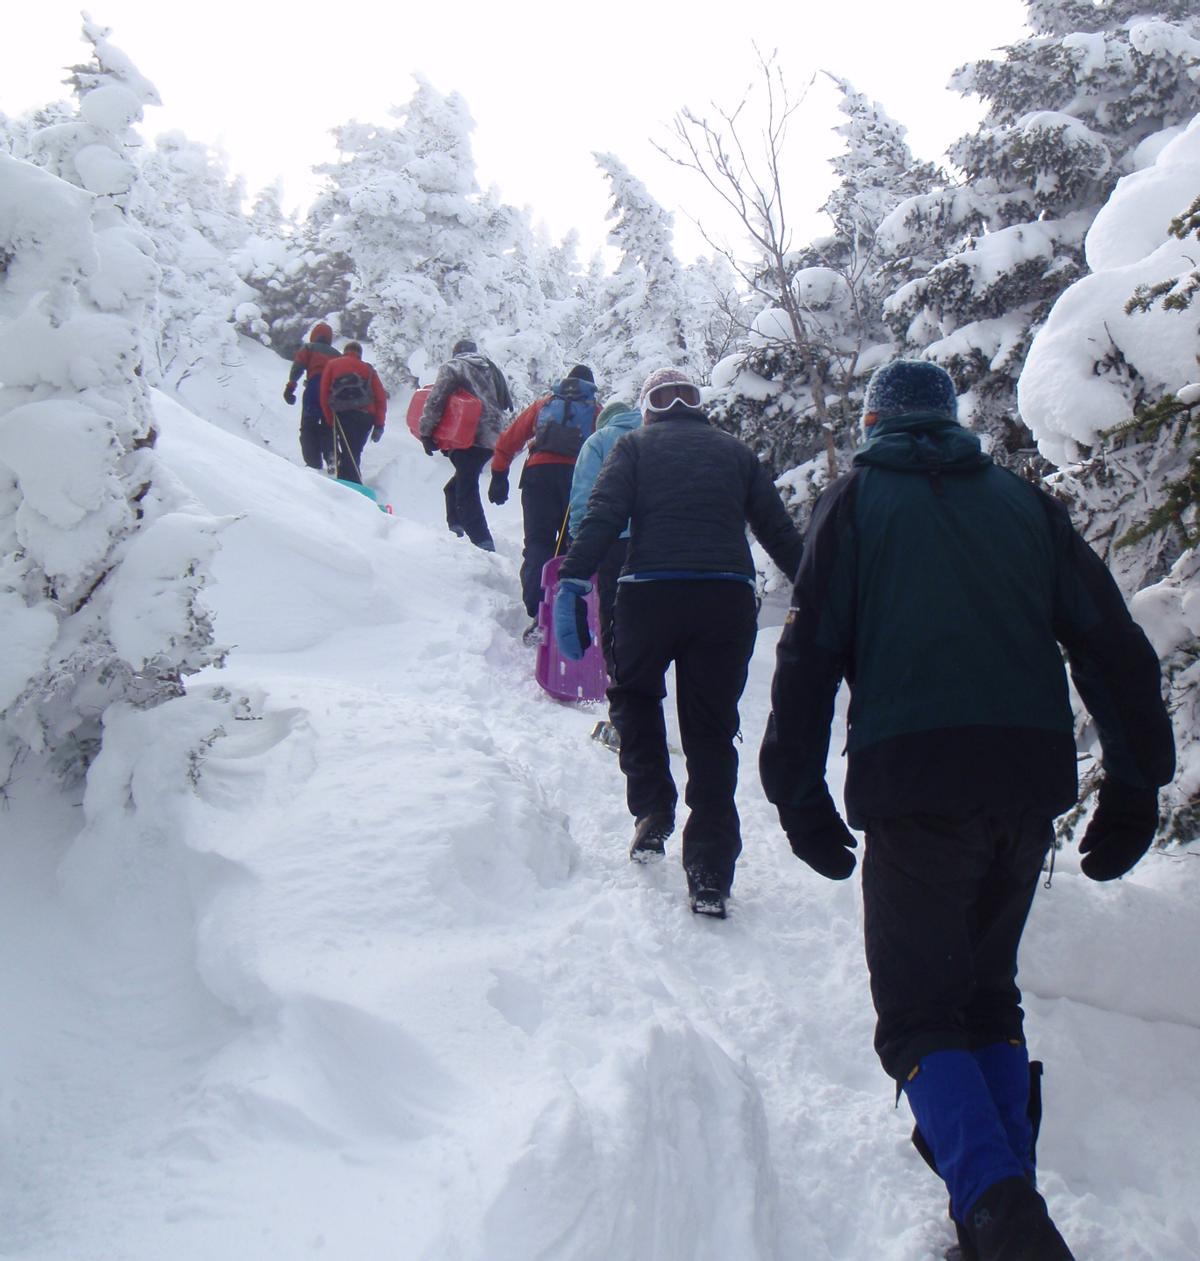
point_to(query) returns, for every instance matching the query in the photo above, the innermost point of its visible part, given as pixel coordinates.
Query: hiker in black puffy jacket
(468, 370)
(686, 594)
(940, 587)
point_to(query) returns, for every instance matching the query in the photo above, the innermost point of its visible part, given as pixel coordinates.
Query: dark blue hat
(465, 346)
(906, 386)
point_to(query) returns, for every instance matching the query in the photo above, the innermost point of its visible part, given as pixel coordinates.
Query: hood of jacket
(922, 442)
(622, 422)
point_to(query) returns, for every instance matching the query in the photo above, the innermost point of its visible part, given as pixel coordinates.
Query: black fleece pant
(545, 494)
(945, 903)
(353, 430)
(707, 627)
(464, 508)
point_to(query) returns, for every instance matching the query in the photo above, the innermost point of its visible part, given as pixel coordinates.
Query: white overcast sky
(547, 83)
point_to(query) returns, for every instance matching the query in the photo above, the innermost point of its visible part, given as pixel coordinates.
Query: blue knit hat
(910, 385)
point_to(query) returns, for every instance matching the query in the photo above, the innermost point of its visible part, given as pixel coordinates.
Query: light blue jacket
(591, 457)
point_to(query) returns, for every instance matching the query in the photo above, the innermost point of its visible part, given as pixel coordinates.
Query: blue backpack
(566, 419)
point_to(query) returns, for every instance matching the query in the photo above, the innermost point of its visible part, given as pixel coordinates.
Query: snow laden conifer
(519, 330)
(101, 562)
(642, 313)
(1111, 390)
(262, 262)
(567, 290)
(187, 202)
(1067, 111)
(402, 203)
(297, 280)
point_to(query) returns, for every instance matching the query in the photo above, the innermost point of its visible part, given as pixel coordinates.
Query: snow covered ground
(372, 979)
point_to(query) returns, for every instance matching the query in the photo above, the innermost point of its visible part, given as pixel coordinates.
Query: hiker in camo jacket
(468, 370)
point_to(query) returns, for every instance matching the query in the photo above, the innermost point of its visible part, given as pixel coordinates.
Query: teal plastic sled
(364, 490)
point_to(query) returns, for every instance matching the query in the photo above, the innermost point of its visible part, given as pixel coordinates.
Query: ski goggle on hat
(661, 395)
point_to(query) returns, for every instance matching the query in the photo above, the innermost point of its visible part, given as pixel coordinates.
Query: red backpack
(457, 427)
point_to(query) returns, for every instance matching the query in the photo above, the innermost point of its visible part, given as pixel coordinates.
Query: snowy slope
(377, 981)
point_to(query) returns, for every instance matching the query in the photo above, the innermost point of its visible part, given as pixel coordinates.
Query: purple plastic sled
(564, 679)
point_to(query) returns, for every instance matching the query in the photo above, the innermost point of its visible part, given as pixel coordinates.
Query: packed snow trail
(382, 983)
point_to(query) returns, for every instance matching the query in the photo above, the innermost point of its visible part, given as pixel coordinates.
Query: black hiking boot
(710, 902)
(1010, 1222)
(707, 893)
(964, 1250)
(649, 837)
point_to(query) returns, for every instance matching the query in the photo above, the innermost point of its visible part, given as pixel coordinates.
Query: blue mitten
(570, 618)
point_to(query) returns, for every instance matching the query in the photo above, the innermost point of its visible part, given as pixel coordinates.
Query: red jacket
(311, 359)
(512, 441)
(353, 363)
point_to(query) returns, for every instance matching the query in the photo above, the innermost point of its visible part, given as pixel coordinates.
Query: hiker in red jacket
(555, 426)
(354, 404)
(316, 438)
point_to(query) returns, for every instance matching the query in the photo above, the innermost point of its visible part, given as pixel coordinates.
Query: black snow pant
(707, 627)
(353, 430)
(316, 438)
(945, 902)
(606, 593)
(464, 508)
(545, 494)
(316, 442)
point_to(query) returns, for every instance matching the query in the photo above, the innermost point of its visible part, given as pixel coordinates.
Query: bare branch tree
(753, 190)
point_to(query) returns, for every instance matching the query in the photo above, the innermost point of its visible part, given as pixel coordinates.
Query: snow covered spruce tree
(101, 562)
(815, 329)
(293, 285)
(403, 205)
(643, 316)
(1067, 111)
(520, 329)
(1111, 390)
(187, 202)
(296, 280)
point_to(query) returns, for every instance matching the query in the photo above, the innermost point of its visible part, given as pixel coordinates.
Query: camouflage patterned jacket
(478, 375)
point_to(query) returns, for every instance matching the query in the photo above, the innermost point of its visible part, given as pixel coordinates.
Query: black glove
(818, 836)
(498, 490)
(428, 443)
(289, 393)
(1121, 830)
(376, 432)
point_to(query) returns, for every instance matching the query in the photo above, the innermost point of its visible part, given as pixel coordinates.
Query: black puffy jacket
(688, 491)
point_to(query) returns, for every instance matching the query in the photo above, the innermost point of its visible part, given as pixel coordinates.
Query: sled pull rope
(562, 531)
